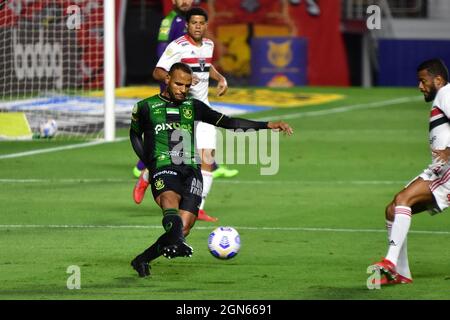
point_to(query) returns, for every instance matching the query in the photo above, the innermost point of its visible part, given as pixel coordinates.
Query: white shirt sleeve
(171, 55)
(444, 102)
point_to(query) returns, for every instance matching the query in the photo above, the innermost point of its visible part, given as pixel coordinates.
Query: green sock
(173, 225)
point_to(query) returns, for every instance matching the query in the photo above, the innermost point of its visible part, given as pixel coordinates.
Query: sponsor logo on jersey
(196, 187)
(156, 105)
(172, 173)
(172, 126)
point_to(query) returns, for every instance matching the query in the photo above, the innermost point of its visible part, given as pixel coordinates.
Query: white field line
(252, 182)
(353, 107)
(47, 150)
(284, 229)
(360, 106)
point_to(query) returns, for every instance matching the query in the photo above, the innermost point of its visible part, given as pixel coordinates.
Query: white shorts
(439, 186)
(205, 136)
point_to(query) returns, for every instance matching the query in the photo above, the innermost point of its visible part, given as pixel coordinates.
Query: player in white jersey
(196, 51)
(428, 191)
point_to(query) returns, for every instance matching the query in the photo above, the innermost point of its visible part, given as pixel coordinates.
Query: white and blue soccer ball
(224, 242)
(49, 129)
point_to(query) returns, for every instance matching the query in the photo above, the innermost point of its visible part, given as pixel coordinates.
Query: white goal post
(58, 63)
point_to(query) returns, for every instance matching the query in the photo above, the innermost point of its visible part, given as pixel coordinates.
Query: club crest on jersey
(202, 63)
(159, 184)
(187, 113)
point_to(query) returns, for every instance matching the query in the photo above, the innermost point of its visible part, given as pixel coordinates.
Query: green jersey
(168, 129)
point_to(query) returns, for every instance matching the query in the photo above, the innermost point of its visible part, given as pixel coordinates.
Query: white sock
(399, 231)
(402, 263)
(207, 184)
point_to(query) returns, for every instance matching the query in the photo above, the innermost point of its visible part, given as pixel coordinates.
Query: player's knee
(168, 200)
(390, 212)
(401, 199)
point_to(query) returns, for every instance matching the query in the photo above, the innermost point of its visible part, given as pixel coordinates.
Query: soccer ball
(49, 129)
(224, 243)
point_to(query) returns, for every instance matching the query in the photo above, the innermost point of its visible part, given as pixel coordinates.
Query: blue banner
(278, 62)
(399, 59)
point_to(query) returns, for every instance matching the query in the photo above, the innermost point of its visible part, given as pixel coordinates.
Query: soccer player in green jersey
(162, 136)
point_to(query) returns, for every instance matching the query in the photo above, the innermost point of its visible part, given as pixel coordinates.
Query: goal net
(52, 66)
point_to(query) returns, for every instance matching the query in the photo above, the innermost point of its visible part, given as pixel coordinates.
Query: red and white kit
(199, 59)
(438, 173)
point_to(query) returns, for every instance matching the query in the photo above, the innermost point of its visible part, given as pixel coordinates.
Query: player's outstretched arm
(280, 125)
(206, 114)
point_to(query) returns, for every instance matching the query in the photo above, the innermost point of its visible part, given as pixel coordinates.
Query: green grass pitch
(308, 232)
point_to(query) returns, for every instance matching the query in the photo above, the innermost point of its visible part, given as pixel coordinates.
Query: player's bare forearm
(280, 125)
(222, 85)
(160, 74)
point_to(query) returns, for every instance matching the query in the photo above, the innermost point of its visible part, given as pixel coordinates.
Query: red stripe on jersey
(439, 182)
(195, 60)
(436, 111)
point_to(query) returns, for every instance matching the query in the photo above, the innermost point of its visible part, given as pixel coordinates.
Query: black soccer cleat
(180, 249)
(141, 267)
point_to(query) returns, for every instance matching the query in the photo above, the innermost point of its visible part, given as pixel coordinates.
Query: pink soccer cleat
(387, 268)
(140, 187)
(400, 280)
(203, 216)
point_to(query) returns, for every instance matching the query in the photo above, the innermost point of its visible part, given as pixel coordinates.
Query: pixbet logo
(38, 60)
(172, 126)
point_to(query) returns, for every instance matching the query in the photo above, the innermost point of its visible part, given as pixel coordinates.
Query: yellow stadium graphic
(14, 126)
(256, 97)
